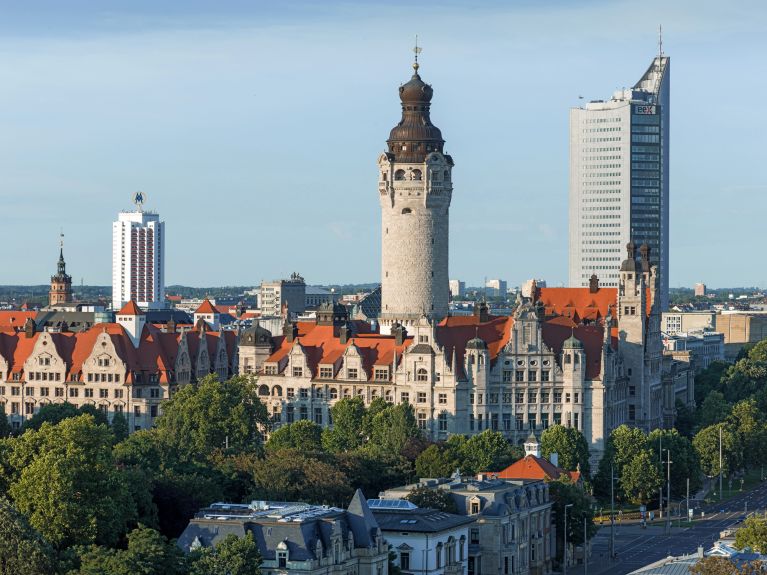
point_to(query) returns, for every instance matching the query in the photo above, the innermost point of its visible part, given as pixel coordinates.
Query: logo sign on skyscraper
(645, 110)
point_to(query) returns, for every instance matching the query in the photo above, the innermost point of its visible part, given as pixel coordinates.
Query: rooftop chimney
(593, 284)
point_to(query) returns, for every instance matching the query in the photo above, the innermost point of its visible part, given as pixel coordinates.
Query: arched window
(399, 175)
(567, 358)
(277, 391)
(446, 175)
(438, 555)
(416, 174)
(421, 375)
(385, 176)
(407, 211)
(263, 390)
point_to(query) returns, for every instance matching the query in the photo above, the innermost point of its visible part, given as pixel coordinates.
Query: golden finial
(416, 50)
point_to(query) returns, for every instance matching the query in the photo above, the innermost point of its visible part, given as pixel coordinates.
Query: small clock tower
(61, 283)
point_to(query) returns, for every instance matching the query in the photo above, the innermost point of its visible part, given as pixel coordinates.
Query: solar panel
(391, 504)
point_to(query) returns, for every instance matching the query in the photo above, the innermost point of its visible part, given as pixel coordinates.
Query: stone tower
(61, 283)
(415, 188)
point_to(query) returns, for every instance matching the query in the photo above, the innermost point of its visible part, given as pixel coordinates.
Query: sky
(254, 128)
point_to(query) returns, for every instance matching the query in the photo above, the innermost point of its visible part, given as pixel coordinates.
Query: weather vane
(139, 198)
(416, 50)
(61, 239)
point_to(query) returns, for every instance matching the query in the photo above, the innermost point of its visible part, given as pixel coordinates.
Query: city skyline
(210, 117)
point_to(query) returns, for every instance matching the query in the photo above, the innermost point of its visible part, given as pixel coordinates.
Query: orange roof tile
(130, 308)
(206, 307)
(532, 467)
(15, 318)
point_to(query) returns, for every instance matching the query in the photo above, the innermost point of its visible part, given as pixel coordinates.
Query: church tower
(415, 188)
(61, 283)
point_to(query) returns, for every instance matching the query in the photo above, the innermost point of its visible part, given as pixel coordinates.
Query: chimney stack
(593, 283)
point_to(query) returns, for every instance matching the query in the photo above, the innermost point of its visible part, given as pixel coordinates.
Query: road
(636, 547)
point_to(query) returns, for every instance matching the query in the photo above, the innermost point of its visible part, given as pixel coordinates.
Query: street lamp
(564, 556)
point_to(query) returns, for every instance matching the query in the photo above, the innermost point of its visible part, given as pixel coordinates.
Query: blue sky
(254, 128)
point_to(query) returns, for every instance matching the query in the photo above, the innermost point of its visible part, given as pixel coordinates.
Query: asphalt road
(636, 547)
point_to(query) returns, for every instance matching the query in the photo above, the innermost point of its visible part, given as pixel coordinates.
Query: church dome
(416, 91)
(630, 263)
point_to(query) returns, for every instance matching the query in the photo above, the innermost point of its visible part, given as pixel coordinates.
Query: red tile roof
(130, 308)
(532, 467)
(15, 318)
(580, 303)
(206, 307)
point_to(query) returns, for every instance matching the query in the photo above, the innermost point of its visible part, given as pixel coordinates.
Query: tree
(563, 492)
(231, 556)
(706, 444)
(392, 427)
(148, 553)
(22, 550)
(428, 498)
(5, 427)
(52, 413)
(66, 482)
(303, 435)
(487, 451)
(684, 460)
(685, 419)
(748, 423)
(640, 478)
(348, 428)
(289, 475)
(724, 566)
(713, 409)
(623, 444)
(180, 492)
(436, 461)
(569, 444)
(752, 534)
(119, 427)
(205, 418)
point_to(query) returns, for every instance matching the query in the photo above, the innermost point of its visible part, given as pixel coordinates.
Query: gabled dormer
(353, 368)
(298, 364)
(209, 314)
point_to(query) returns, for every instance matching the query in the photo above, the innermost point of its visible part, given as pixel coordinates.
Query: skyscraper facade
(138, 259)
(619, 179)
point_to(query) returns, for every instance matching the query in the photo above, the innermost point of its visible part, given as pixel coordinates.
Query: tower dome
(572, 342)
(415, 136)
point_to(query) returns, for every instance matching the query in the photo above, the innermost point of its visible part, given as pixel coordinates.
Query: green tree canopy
(487, 451)
(119, 426)
(290, 475)
(437, 461)
(232, 556)
(348, 431)
(640, 478)
(62, 474)
(752, 534)
(148, 553)
(200, 420)
(57, 412)
(569, 444)
(392, 427)
(22, 549)
(5, 427)
(714, 409)
(565, 493)
(303, 435)
(428, 498)
(706, 444)
(684, 460)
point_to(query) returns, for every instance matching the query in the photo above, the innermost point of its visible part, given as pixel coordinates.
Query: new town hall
(590, 357)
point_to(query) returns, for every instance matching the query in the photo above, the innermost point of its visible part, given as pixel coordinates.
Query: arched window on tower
(416, 174)
(407, 211)
(399, 175)
(446, 175)
(421, 375)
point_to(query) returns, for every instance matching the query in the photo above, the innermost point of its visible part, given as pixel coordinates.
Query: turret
(133, 321)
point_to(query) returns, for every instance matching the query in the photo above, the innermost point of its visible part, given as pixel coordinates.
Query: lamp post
(564, 555)
(612, 512)
(668, 492)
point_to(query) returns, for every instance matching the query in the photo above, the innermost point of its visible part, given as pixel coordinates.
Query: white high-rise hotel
(619, 179)
(138, 258)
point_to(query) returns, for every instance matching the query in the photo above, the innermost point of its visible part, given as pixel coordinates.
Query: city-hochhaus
(619, 179)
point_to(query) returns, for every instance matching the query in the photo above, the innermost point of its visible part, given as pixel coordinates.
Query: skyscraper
(415, 188)
(619, 179)
(138, 258)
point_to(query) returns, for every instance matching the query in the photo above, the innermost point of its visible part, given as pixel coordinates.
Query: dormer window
(282, 559)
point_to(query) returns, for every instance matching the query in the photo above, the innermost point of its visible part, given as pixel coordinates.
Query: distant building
(496, 288)
(528, 288)
(457, 289)
(61, 283)
(280, 294)
(368, 307)
(425, 541)
(513, 532)
(700, 290)
(315, 296)
(679, 322)
(619, 179)
(297, 538)
(705, 346)
(138, 259)
(740, 329)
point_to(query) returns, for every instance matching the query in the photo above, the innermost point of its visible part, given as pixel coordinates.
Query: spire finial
(416, 50)
(660, 40)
